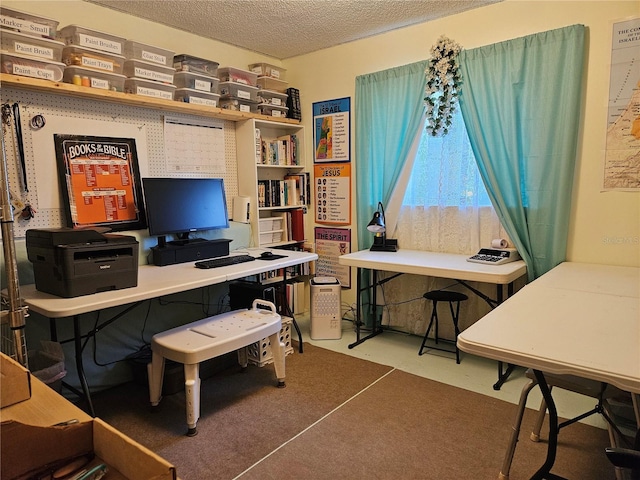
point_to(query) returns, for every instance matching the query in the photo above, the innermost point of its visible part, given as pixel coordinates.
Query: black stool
(443, 296)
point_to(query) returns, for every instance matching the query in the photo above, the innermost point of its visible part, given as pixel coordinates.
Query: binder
(297, 225)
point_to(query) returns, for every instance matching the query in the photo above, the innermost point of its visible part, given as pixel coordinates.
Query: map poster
(330, 244)
(622, 154)
(331, 135)
(100, 182)
(332, 191)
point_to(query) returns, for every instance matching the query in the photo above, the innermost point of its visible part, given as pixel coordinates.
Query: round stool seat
(445, 296)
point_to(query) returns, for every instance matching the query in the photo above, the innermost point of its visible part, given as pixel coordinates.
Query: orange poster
(100, 181)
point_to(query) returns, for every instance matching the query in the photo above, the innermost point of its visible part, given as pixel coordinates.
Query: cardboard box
(15, 381)
(27, 450)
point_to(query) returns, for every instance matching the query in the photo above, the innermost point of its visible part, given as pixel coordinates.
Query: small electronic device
(495, 256)
(326, 318)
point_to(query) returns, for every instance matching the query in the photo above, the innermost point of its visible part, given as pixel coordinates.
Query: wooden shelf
(60, 88)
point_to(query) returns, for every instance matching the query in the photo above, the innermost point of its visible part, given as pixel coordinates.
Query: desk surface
(443, 265)
(579, 319)
(155, 281)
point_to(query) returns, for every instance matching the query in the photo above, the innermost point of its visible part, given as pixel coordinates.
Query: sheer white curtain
(440, 205)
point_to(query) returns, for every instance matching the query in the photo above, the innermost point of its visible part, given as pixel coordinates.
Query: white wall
(605, 227)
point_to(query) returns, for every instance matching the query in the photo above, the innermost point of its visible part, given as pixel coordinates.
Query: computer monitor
(181, 206)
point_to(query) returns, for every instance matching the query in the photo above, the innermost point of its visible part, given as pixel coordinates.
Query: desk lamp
(377, 226)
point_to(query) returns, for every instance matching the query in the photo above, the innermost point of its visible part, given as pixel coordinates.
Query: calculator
(495, 256)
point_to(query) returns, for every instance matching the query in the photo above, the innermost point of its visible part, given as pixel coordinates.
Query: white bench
(208, 338)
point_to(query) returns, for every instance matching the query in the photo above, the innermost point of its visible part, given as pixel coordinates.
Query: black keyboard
(224, 261)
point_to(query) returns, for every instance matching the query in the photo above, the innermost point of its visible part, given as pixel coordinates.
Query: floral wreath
(443, 80)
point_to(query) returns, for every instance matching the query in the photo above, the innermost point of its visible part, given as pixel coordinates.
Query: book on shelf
(295, 293)
(293, 103)
(291, 195)
(282, 150)
(297, 224)
(259, 158)
(302, 183)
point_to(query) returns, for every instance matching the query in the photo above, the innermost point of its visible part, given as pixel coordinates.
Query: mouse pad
(272, 257)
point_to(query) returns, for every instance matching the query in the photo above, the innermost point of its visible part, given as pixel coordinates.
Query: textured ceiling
(287, 28)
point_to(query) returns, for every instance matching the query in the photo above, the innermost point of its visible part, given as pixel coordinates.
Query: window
(445, 173)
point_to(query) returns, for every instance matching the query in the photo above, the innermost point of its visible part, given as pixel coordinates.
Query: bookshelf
(271, 163)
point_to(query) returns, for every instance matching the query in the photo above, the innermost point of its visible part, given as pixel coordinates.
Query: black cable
(18, 127)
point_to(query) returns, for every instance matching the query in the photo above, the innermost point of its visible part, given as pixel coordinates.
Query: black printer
(71, 263)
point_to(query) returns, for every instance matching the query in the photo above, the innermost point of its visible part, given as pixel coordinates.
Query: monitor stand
(170, 253)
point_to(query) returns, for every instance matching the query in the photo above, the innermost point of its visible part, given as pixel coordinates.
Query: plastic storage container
(196, 81)
(28, 23)
(272, 98)
(268, 70)
(245, 92)
(196, 97)
(148, 53)
(23, 44)
(236, 75)
(87, 77)
(84, 37)
(273, 84)
(31, 66)
(238, 104)
(272, 110)
(149, 88)
(148, 71)
(93, 59)
(188, 63)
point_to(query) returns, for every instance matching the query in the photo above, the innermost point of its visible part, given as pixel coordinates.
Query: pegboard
(129, 118)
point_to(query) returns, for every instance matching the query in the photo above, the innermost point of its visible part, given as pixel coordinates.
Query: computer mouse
(266, 255)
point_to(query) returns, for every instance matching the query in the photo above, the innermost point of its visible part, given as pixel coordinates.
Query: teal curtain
(521, 104)
(389, 107)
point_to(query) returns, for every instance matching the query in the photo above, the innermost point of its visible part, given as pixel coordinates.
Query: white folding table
(578, 319)
(153, 282)
(434, 264)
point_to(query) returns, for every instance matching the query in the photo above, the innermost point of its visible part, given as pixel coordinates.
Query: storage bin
(237, 75)
(148, 71)
(31, 66)
(196, 81)
(272, 110)
(148, 53)
(260, 353)
(273, 84)
(94, 78)
(28, 23)
(237, 90)
(189, 63)
(84, 37)
(196, 97)
(149, 88)
(238, 104)
(272, 98)
(23, 44)
(267, 70)
(93, 59)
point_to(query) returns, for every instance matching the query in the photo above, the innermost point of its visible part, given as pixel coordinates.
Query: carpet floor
(341, 417)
